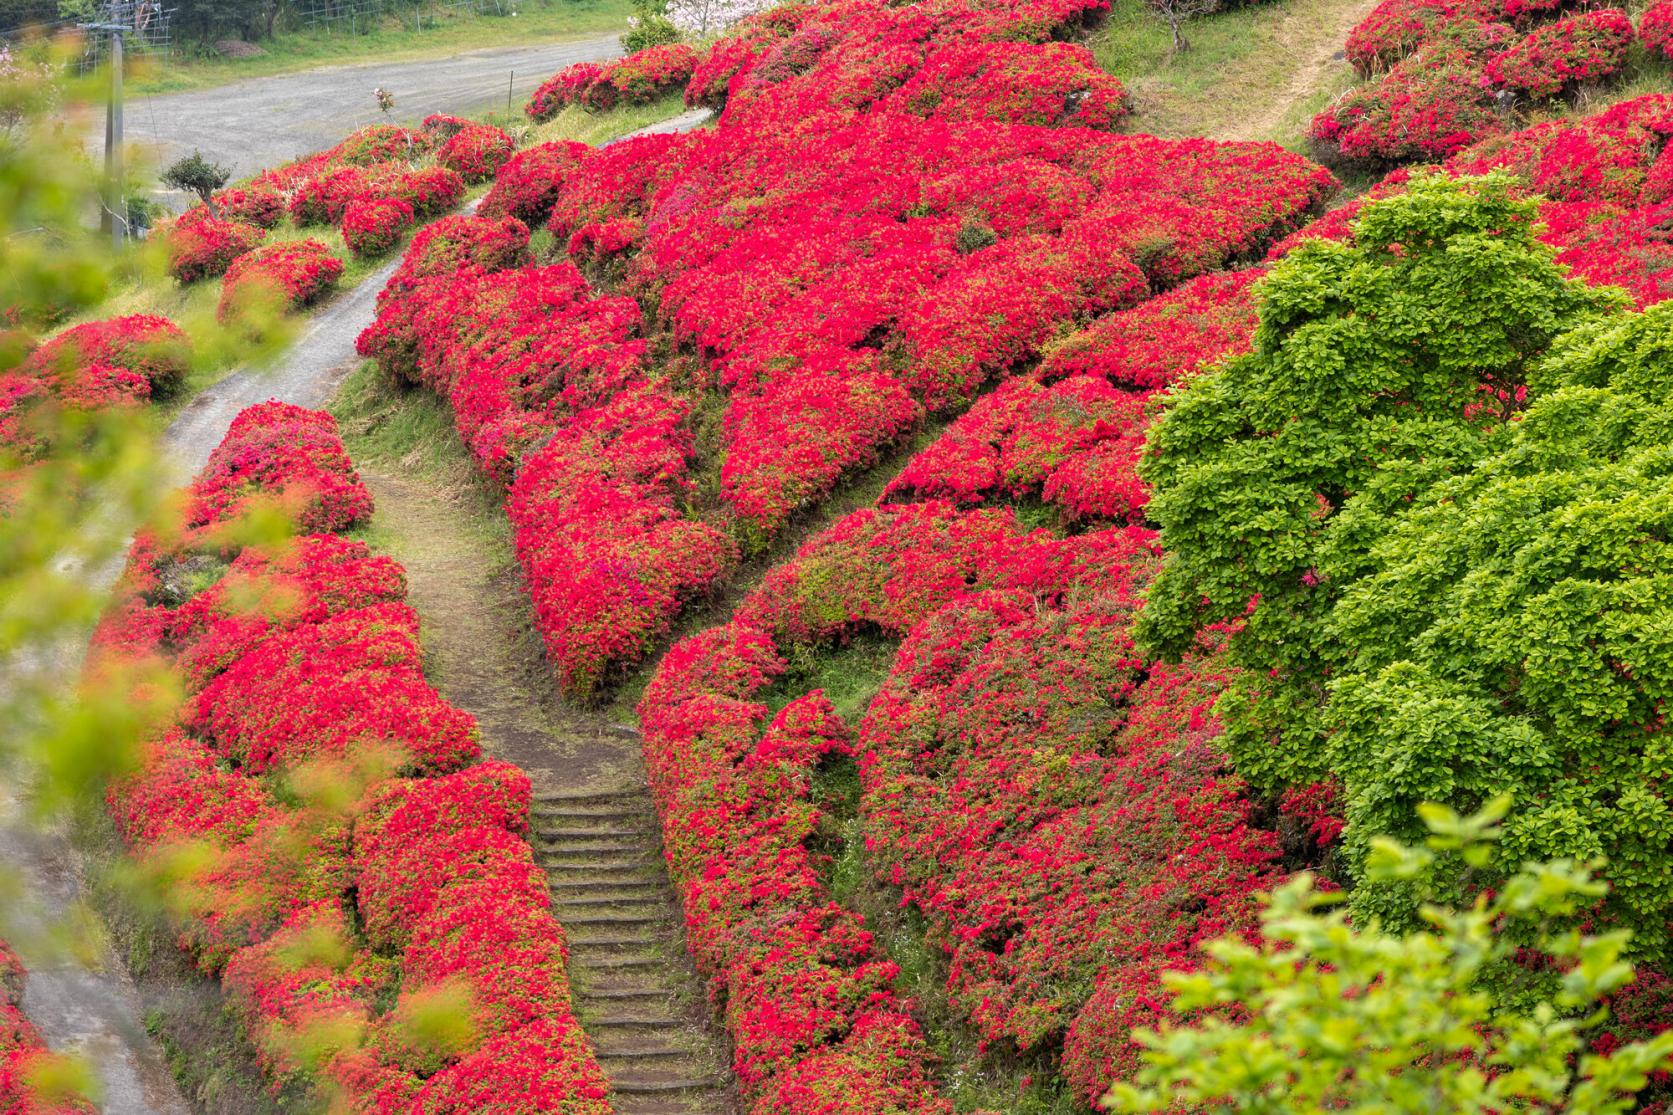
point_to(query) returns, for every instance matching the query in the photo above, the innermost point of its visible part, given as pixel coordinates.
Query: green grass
(1248, 73)
(390, 39)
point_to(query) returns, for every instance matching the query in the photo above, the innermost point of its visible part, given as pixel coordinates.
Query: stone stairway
(593, 827)
(603, 861)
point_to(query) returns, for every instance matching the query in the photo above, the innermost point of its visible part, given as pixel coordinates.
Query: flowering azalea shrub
(1655, 28)
(475, 153)
(260, 206)
(528, 185)
(301, 670)
(1561, 56)
(641, 77)
(201, 247)
(374, 225)
(24, 1054)
(562, 89)
(149, 347)
(430, 190)
(1603, 180)
(282, 276)
(879, 227)
(1430, 105)
(1019, 83)
(1396, 28)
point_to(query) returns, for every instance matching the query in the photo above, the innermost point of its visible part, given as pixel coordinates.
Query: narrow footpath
(594, 828)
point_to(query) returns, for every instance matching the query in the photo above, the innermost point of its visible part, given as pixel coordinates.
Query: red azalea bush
(640, 78)
(372, 226)
(442, 126)
(1396, 28)
(476, 153)
(1564, 55)
(321, 199)
(254, 205)
(380, 143)
(1655, 28)
(430, 190)
(1019, 83)
(562, 89)
(201, 247)
(1429, 106)
(286, 276)
(1605, 179)
(149, 347)
(301, 664)
(527, 186)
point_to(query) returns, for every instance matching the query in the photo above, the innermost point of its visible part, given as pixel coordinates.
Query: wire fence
(150, 30)
(355, 15)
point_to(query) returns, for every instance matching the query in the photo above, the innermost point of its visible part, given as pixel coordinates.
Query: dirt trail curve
(262, 122)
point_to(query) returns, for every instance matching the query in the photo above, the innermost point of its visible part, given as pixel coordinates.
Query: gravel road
(251, 125)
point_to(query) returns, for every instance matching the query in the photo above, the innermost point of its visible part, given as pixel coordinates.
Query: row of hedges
(338, 854)
(375, 185)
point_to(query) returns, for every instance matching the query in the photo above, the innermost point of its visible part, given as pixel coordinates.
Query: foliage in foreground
(1323, 1015)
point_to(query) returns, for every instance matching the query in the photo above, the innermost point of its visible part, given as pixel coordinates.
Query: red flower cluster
(562, 89)
(1583, 48)
(201, 246)
(150, 347)
(22, 1050)
(367, 171)
(1432, 104)
(639, 78)
(1605, 182)
(1051, 85)
(1655, 28)
(476, 151)
(1396, 28)
(302, 668)
(372, 226)
(527, 185)
(879, 227)
(1048, 800)
(1444, 57)
(282, 276)
(256, 205)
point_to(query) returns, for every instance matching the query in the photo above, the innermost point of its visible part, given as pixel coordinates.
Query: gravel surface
(251, 125)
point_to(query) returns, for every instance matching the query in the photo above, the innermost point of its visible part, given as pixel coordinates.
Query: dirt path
(595, 831)
(262, 122)
(1312, 35)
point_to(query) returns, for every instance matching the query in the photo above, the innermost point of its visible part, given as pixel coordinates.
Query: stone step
(658, 885)
(591, 833)
(613, 961)
(618, 919)
(586, 861)
(619, 994)
(573, 845)
(584, 901)
(636, 795)
(639, 1087)
(646, 1054)
(603, 810)
(606, 940)
(631, 1021)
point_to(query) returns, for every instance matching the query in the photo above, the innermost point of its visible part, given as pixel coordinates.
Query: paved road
(251, 125)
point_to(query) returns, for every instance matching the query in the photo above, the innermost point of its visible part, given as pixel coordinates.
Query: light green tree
(1324, 1015)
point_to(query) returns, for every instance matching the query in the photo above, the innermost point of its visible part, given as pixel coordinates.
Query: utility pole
(115, 218)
